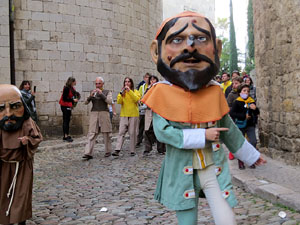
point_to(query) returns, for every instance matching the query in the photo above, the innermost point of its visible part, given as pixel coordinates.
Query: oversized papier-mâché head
(186, 50)
(13, 110)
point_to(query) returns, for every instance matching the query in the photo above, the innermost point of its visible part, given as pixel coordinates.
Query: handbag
(241, 123)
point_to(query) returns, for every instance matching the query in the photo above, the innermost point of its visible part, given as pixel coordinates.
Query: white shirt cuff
(247, 153)
(193, 138)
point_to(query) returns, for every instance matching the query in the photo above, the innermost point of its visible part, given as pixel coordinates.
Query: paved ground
(68, 190)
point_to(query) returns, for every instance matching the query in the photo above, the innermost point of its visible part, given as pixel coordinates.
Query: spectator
(129, 116)
(244, 112)
(249, 81)
(234, 74)
(142, 109)
(68, 101)
(150, 138)
(226, 82)
(112, 110)
(145, 78)
(99, 119)
(29, 98)
(233, 95)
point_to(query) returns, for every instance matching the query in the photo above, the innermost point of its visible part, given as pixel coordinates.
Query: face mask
(243, 96)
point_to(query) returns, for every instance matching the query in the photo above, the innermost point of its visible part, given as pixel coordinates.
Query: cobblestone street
(68, 190)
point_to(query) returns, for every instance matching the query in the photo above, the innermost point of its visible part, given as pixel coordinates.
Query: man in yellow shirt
(226, 81)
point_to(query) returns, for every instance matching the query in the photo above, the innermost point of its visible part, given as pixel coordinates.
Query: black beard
(11, 126)
(191, 80)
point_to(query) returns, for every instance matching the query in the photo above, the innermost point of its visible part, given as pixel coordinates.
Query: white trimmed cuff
(247, 153)
(193, 138)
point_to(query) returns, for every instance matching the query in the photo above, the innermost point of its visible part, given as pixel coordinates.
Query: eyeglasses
(99, 83)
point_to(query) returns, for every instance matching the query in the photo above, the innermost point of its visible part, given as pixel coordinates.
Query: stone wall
(83, 39)
(277, 54)
(4, 44)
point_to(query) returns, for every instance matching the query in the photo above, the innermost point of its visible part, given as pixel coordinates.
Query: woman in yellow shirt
(129, 116)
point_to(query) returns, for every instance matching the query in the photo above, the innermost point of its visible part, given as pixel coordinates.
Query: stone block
(33, 76)
(63, 76)
(36, 35)
(43, 118)
(46, 45)
(34, 44)
(86, 67)
(4, 30)
(87, 86)
(76, 47)
(81, 38)
(55, 17)
(63, 27)
(47, 108)
(68, 37)
(5, 75)
(79, 56)
(57, 87)
(51, 7)
(92, 57)
(98, 67)
(85, 11)
(58, 66)
(55, 36)
(4, 41)
(63, 46)
(69, 9)
(38, 65)
(54, 55)
(83, 2)
(27, 54)
(79, 76)
(49, 76)
(42, 54)
(35, 25)
(73, 66)
(4, 52)
(40, 16)
(67, 55)
(36, 6)
(23, 64)
(23, 15)
(48, 26)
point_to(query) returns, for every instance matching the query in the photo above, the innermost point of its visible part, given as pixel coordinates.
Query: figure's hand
(260, 161)
(248, 117)
(24, 140)
(98, 90)
(75, 100)
(114, 113)
(213, 134)
(93, 93)
(252, 106)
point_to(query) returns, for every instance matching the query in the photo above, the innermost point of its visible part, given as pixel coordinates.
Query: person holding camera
(29, 98)
(129, 116)
(68, 101)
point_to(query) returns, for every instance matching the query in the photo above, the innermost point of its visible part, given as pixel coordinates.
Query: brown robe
(11, 149)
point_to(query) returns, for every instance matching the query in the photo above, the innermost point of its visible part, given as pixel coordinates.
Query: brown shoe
(107, 154)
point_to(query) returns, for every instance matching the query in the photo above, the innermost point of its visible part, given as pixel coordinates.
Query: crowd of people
(240, 94)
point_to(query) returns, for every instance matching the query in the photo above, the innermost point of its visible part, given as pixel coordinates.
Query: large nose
(8, 112)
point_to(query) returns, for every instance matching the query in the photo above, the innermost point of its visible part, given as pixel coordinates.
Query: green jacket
(174, 181)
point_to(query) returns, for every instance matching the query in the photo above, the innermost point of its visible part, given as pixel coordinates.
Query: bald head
(11, 108)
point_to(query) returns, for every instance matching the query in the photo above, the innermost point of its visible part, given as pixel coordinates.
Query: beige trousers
(127, 124)
(89, 148)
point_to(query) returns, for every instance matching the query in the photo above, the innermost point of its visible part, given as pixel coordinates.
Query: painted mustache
(11, 126)
(189, 55)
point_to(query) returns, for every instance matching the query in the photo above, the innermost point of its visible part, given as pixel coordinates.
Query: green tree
(233, 63)
(222, 27)
(250, 62)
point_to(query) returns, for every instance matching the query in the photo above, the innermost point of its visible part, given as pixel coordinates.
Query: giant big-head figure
(186, 50)
(13, 111)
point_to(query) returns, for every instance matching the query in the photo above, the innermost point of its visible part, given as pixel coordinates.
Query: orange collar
(175, 104)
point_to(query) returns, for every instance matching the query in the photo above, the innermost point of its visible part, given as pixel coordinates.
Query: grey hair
(100, 78)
